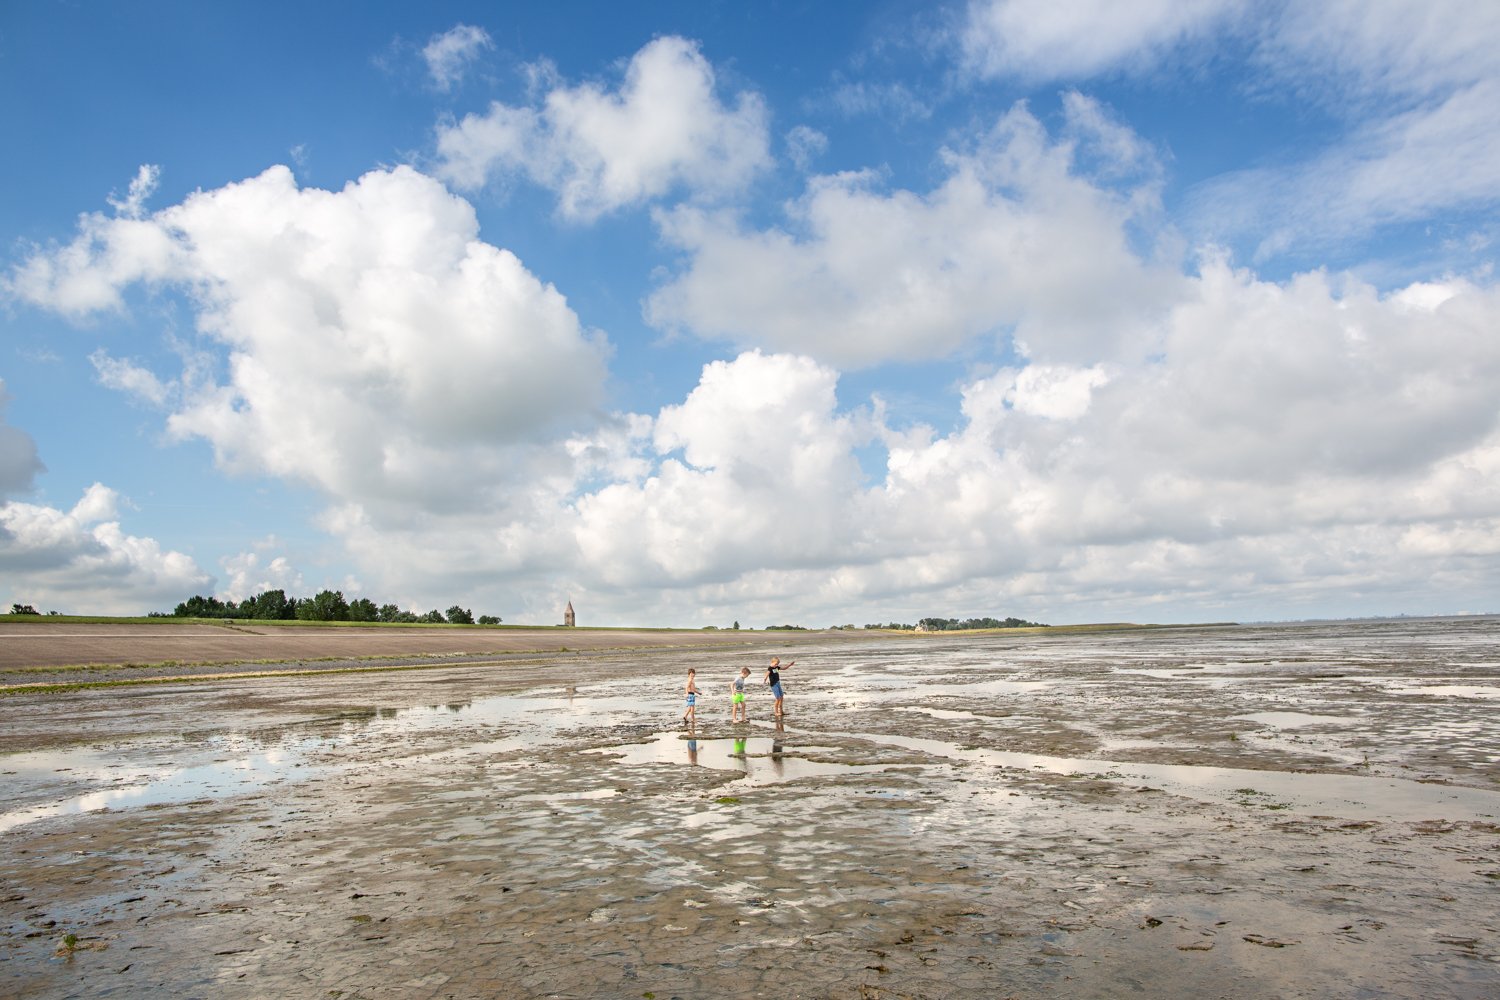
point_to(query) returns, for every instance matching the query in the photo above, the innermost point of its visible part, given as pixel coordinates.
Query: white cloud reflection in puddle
(1339, 795)
(134, 785)
(760, 760)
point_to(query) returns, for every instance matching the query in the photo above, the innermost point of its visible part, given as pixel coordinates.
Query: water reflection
(759, 760)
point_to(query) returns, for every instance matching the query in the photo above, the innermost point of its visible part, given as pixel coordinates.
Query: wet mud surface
(1287, 811)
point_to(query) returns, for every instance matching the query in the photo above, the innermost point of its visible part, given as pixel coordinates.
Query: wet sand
(1239, 812)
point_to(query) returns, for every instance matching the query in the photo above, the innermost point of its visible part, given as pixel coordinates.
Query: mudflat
(1270, 811)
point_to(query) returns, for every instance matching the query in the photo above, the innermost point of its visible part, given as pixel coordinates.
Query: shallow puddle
(1296, 720)
(225, 765)
(759, 760)
(135, 785)
(1314, 794)
(1453, 691)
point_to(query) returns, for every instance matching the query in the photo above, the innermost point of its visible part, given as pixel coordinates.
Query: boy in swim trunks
(690, 693)
(738, 712)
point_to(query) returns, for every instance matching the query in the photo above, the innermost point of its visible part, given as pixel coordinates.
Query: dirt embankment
(45, 652)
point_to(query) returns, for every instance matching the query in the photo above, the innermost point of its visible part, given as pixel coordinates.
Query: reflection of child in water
(690, 692)
(739, 747)
(738, 711)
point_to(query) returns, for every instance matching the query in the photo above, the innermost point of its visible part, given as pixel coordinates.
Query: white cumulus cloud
(754, 468)
(1279, 445)
(81, 561)
(373, 346)
(600, 150)
(1014, 241)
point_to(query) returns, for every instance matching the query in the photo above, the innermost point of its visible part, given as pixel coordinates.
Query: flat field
(166, 646)
(1272, 811)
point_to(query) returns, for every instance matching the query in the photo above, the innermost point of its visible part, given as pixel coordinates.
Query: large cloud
(80, 561)
(663, 130)
(376, 347)
(755, 468)
(1016, 240)
(1282, 445)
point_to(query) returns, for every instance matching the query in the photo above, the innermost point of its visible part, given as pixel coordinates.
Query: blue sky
(812, 313)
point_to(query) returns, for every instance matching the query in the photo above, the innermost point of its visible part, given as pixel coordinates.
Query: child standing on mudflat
(690, 694)
(738, 712)
(773, 678)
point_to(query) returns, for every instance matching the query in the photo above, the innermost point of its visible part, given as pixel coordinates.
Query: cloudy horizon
(1082, 312)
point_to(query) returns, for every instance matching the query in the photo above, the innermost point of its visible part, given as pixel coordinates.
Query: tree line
(954, 625)
(324, 606)
(957, 625)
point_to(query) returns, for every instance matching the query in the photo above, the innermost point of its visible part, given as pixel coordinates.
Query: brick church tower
(568, 620)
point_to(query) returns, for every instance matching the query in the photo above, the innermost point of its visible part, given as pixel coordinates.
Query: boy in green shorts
(738, 712)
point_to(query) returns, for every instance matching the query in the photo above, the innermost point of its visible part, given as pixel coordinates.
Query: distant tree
(488, 620)
(199, 606)
(388, 613)
(434, 617)
(363, 610)
(786, 628)
(736, 626)
(273, 605)
(325, 606)
(22, 609)
(460, 616)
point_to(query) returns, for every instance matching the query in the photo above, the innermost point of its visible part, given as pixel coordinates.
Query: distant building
(568, 620)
